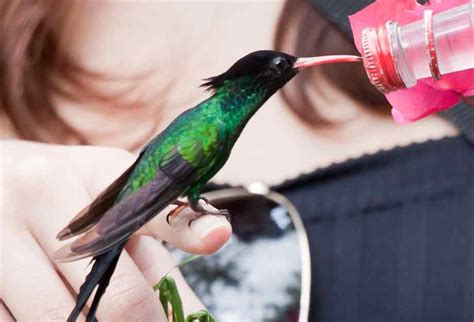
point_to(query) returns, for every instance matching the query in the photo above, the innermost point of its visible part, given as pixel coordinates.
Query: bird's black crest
(252, 64)
(212, 83)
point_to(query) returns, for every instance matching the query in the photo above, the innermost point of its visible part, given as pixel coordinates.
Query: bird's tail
(100, 274)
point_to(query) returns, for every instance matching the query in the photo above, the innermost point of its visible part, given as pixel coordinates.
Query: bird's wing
(94, 211)
(172, 179)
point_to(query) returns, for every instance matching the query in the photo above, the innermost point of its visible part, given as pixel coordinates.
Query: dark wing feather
(94, 212)
(127, 216)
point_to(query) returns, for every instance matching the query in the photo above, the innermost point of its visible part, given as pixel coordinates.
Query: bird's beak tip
(305, 62)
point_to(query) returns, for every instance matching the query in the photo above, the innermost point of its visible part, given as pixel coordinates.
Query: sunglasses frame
(260, 189)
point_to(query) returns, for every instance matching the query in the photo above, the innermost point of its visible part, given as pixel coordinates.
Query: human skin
(183, 43)
(43, 187)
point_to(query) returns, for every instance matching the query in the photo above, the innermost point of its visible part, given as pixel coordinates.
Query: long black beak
(305, 62)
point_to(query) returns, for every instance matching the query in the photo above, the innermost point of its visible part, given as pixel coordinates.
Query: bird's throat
(238, 100)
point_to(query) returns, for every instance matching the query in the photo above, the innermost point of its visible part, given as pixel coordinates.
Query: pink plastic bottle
(396, 56)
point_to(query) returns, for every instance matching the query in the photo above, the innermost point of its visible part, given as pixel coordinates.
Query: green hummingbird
(177, 162)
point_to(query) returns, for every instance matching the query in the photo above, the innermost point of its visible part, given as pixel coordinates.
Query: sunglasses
(263, 272)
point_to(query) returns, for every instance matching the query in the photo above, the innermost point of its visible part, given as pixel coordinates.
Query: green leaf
(176, 303)
(182, 263)
(169, 295)
(201, 316)
(163, 298)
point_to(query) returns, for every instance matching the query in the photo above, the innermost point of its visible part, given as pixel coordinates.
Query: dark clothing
(392, 234)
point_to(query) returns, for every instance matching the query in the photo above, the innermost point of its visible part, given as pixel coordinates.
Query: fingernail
(205, 224)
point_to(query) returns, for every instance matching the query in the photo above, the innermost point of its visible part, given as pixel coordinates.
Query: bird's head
(268, 69)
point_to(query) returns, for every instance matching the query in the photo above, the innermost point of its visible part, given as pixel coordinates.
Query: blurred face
(156, 54)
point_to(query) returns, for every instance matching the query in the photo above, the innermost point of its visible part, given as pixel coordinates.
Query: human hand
(43, 187)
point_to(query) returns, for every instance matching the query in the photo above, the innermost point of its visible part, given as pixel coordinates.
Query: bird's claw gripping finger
(201, 211)
(204, 199)
(198, 208)
(223, 212)
(218, 212)
(180, 205)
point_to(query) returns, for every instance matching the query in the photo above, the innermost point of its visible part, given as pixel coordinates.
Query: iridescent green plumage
(177, 162)
(203, 136)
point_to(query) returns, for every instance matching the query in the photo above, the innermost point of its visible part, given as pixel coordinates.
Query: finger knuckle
(129, 298)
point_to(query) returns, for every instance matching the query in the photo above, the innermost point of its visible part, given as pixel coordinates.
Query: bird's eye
(280, 64)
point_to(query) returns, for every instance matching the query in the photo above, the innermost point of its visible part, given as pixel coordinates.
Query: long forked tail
(100, 274)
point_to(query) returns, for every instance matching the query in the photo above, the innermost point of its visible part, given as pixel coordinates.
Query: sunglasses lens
(256, 276)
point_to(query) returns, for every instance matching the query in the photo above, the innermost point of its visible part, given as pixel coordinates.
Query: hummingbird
(178, 162)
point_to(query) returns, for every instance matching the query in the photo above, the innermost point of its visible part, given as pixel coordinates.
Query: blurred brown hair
(303, 31)
(34, 66)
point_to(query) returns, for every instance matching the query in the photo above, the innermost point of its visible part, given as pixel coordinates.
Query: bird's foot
(180, 205)
(201, 208)
(205, 208)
